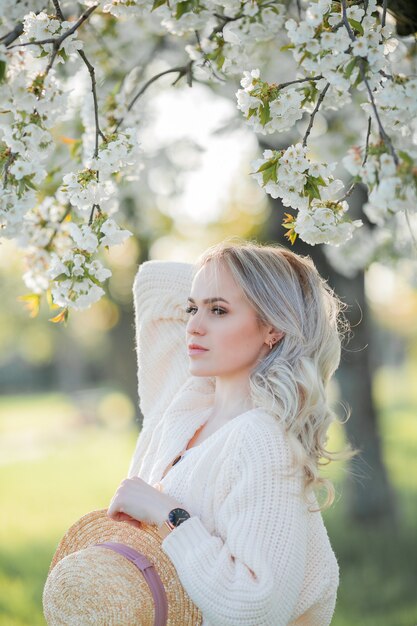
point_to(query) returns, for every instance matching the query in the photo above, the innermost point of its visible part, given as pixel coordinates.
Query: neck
(231, 398)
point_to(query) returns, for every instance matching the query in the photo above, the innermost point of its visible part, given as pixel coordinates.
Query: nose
(195, 325)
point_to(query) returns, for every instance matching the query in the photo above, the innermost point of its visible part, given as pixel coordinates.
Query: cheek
(238, 339)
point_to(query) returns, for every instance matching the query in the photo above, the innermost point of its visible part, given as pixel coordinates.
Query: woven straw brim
(77, 560)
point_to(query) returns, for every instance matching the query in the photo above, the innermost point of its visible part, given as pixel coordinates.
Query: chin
(198, 369)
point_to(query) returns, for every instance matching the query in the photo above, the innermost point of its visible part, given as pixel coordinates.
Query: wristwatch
(175, 518)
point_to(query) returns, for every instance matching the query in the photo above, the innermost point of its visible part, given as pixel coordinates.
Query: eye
(218, 311)
(191, 309)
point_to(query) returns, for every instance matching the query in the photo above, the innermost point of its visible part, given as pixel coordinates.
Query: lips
(194, 348)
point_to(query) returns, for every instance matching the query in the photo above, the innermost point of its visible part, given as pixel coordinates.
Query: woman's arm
(160, 290)
(254, 575)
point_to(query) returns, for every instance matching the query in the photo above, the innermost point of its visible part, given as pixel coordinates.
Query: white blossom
(113, 234)
(323, 224)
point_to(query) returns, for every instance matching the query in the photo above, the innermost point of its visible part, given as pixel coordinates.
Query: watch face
(177, 516)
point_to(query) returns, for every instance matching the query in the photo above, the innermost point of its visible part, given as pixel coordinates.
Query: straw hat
(92, 584)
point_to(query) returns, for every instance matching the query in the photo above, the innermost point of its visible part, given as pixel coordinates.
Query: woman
(233, 433)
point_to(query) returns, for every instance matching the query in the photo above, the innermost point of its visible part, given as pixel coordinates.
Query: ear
(273, 336)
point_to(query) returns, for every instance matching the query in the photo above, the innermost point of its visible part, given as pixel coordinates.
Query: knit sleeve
(253, 573)
(160, 290)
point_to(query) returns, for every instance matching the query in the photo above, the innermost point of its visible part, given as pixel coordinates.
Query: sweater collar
(188, 410)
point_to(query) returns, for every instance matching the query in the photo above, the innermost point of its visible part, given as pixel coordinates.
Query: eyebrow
(210, 300)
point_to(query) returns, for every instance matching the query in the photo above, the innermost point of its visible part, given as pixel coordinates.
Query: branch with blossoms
(56, 42)
(384, 136)
(350, 58)
(61, 260)
(63, 215)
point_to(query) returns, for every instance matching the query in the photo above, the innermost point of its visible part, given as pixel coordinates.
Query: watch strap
(164, 529)
(175, 517)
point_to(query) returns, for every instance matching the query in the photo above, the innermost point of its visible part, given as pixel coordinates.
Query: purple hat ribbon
(150, 574)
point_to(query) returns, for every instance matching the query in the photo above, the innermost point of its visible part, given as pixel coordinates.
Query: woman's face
(224, 324)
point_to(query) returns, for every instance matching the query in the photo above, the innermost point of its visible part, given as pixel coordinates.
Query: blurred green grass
(56, 465)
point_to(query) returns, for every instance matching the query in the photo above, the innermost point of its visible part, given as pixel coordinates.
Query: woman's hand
(135, 501)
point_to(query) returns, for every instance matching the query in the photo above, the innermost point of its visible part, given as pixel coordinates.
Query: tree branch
(9, 161)
(182, 71)
(61, 219)
(347, 194)
(368, 134)
(383, 134)
(98, 132)
(57, 41)
(58, 10)
(299, 80)
(384, 12)
(407, 218)
(353, 185)
(93, 89)
(314, 113)
(13, 35)
(95, 206)
(207, 61)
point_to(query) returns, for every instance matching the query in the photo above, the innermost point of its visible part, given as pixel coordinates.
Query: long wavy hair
(287, 292)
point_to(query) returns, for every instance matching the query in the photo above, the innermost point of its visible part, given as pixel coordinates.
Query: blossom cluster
(36, 101)
(336, 48)
(13, 12)
(69, 228)
(341, 52)
(62, 259)
(41, 26)
(74, 277)
(62, 211)
(311, 189)
(240, 42)
(268, 108)
(396, 102)
(392, 187)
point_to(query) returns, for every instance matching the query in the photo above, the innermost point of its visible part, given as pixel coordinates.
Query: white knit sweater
(251, 553)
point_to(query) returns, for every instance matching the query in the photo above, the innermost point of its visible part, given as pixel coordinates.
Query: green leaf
(183, 7)
(60, 277)
(29, 183)
(350, 67)
(312, 189)
(289, 46)
(158, 3)
(266, 166)
(75, 149)
(265, 114)
(358, 80)
(406, 157)
(63, 54)
(356, 25)
(269, 174)
(2, 71)
(319, 180)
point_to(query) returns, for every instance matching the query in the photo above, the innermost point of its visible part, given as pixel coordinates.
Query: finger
(114, 508)
(133, 522)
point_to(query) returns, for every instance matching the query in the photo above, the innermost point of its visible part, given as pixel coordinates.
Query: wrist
(164, 510)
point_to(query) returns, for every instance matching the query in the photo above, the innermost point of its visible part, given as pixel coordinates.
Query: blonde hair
(287, 292)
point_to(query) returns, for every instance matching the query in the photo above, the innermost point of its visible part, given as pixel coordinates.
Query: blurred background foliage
(69, 414)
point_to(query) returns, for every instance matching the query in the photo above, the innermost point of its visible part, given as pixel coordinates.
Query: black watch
(177, 517)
